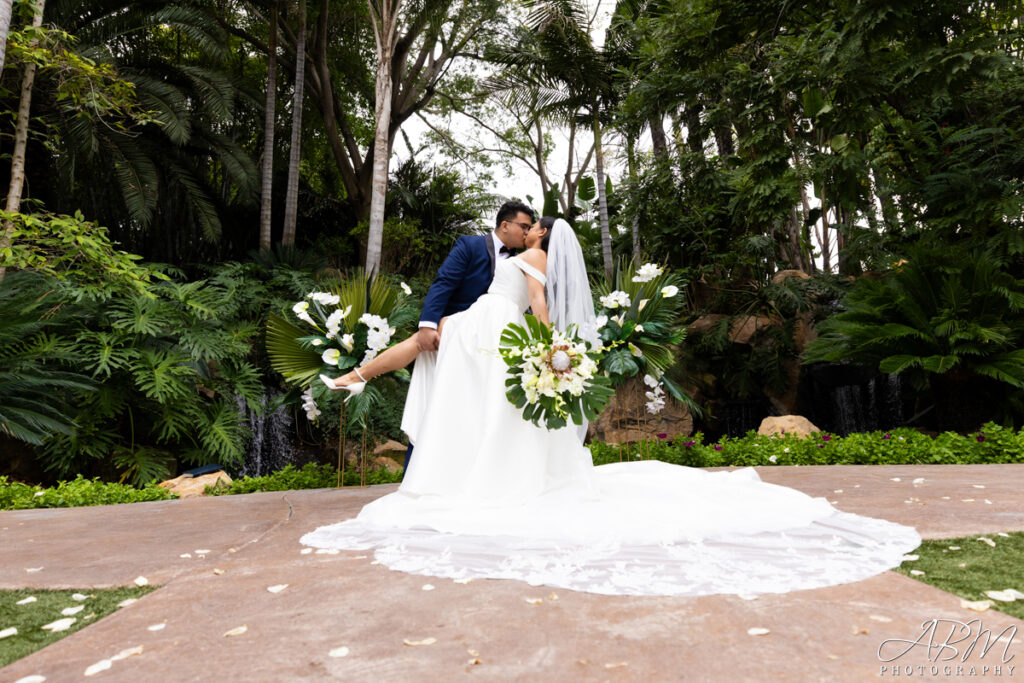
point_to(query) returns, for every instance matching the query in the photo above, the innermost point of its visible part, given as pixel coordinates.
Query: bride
(491, 495)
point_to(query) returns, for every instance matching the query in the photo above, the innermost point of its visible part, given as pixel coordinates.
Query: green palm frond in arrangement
(298, 364)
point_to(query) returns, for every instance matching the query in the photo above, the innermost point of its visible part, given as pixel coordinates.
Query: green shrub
(992, 444)
(75, 493)
(310, 476)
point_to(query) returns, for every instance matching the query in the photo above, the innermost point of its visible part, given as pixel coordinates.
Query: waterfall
(841, 400)
(270, 444)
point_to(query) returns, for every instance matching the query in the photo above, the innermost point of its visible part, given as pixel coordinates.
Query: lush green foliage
(992, 444)
(29, 618)
(944, 318)
(969, 567)
(75, 493)
(309, 476)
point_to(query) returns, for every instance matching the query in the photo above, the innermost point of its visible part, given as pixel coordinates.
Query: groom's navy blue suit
(462, 278)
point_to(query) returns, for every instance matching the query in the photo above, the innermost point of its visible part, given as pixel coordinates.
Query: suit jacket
(462, 278)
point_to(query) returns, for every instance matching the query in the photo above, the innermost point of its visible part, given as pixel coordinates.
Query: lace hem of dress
(839, 549)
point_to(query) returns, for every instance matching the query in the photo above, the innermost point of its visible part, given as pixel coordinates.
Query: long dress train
(490, 495)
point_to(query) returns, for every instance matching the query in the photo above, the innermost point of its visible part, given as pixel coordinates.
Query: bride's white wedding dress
(489, 495)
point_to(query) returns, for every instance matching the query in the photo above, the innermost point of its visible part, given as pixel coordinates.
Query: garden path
(513, 631)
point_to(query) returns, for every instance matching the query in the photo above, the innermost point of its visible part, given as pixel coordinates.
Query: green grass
(973, 569)
(29, 619)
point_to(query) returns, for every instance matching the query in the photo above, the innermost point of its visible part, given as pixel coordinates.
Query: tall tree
(20, 139)
(6, 8)
(267, 167)
(385, 17)
(291, 199)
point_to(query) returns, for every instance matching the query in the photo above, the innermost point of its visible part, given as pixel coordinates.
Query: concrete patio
(489, 630)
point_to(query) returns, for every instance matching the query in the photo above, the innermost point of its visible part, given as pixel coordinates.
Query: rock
(703, 324)
(383, 462)
(626, 418)
(187, 486)
(786, 274)
(787, 424)
(744, 328)
(390, 446)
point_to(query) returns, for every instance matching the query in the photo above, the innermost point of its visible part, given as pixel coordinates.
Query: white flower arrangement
(615, 299)
(647, 272)
(669, 291)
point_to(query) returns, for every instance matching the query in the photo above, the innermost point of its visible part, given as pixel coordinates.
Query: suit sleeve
(449, 276)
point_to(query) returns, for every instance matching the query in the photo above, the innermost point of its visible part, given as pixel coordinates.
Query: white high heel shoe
(353, 389)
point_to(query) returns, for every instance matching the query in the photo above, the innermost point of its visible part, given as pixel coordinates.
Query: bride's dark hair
(548, 223)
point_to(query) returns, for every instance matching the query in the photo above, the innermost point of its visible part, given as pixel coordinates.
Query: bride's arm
(539, 260)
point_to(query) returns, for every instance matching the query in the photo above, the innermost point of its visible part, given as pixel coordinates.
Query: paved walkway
(488, 630)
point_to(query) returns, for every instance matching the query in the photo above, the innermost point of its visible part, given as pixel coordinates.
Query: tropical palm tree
(291, 197)
(267, 166)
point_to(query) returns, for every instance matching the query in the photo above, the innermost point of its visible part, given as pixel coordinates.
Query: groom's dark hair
(509, 210)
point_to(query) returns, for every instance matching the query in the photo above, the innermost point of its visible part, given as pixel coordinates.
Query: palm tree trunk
(268, 134)
(6, 8)
(20, 142)
(602, 202)
(291, 197)
(631, 161)
(385, 21)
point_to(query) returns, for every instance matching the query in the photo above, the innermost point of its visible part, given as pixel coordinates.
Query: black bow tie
(506, 250)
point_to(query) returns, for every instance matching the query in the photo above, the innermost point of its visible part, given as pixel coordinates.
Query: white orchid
(405, 288)
(601, 321)
(615, 299)
(669, 291)
(650, 381)
(647, 272)
(324, 298)
(348, 341)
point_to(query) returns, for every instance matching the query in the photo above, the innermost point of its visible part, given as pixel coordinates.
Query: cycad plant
(950, 321)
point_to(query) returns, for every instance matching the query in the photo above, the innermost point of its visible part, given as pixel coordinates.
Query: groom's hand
(427, 339)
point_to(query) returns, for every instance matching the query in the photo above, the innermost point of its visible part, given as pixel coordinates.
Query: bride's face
(535, 235)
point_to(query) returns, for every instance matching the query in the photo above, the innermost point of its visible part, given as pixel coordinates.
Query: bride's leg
(392, 358)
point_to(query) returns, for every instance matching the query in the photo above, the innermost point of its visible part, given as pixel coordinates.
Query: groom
(467, 273)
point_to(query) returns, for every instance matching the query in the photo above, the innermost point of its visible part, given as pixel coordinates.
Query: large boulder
(626, 419)
(787, 424)
(187, 486)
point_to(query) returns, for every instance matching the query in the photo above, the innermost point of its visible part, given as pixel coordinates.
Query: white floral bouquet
(553, 376)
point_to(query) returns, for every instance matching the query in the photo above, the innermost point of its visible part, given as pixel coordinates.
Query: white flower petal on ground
(278, 588)
(978, 486)
(141, 581)
(8, 632)
(69, 611)
(758, 631)
(746, 596)
(916, 572)
(36, 678)
(977, 605)
(428, 587)
(59, 625)
(157, 627)
(39, 493)
(125, 654)
(533, 601)
(99, 666)
(327, 551)
(26, 601)
(987, 541)
(879, 617)
(919, 480)
(1003, 534)
(895, 479)
(415, 643)
(909, 558)
(236, 631)
(185, 556)
(33, 570)
(218, 572)
(125, 603)
(305, 551)
(772, 458)
(954, 547)
(1017, 595)
(1002, 596)
(340, 651)
(462, 581)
